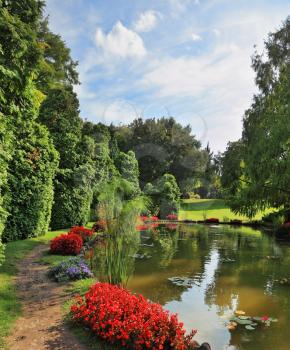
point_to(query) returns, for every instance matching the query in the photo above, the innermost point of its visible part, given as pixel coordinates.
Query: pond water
(226, 269)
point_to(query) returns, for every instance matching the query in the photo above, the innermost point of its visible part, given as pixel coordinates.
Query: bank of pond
(229, 284)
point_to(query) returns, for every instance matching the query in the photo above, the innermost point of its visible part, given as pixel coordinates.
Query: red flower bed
(99, 226)
(85, 233)
(66, 244)
(129, 320)
(144, 218)
(171, 217)
(154, 218)
(212, 221)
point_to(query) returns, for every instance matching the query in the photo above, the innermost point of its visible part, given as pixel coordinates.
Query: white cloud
(216, 32)
(121, 42)
(195, 37)
(146, 22)
(179, 6)
(112, 111)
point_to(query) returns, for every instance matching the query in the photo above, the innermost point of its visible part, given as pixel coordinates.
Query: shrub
(236, 222)
(66, 244)
(85, 233)
(171, 217)
(212, 221)
(99, 226)
(70, 270)
(129, 320)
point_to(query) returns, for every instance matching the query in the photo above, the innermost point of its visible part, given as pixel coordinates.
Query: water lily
(265, 318)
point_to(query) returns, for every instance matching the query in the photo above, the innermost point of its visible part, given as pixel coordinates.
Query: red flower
(171, 217)
(129, 320)
(265, 318)
(85, 233)
(144, 218)
(154, 218)
(66, 244)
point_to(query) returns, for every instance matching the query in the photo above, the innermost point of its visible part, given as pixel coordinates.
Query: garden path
(41, 325)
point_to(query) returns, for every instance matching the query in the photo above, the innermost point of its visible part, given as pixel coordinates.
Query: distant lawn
(198, 209)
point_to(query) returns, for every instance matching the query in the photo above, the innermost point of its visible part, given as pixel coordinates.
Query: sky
(190, 59)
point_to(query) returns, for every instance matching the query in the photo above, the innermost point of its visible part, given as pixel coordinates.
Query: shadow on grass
(198, 205)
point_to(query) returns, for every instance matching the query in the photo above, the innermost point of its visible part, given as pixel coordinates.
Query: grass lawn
(199, 209)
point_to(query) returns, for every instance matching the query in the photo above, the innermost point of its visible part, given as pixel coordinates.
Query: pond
(218, 270)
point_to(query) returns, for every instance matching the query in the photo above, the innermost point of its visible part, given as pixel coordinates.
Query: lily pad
(244, 317)
(244, 322)
(182, 281)
(250, 328)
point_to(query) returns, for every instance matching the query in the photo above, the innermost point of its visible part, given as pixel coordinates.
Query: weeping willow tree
(120, 214)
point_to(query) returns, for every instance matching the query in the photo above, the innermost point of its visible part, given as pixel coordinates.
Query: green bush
(30, 181)
(164, 195)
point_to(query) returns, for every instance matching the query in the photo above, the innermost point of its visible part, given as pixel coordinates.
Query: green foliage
(31, 172)
(32, 157)
(99, 153)
(118, 210)
(73, 196)
(56, 67)
(165, 195)
(60, 113)
(256, 169)
(127, 165)
(163, 146)
(73, 183)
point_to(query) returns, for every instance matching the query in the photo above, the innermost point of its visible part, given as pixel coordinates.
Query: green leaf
(250, 328)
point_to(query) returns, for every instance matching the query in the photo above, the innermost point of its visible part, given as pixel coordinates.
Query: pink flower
(265, 318)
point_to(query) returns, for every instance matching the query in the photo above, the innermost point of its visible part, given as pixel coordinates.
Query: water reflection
(231, 268)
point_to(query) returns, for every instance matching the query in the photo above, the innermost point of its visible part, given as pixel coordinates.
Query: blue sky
(184, 58)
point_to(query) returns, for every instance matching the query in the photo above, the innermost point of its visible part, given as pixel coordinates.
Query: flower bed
(129, 320)
(70, 270)
(85, 233)
(66, 244)
(171, 217)
(212, 221)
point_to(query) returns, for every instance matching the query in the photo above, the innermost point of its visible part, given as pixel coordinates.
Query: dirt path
(41, 325)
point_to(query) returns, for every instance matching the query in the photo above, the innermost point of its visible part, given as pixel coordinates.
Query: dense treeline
(54, 164)
(256, 168)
